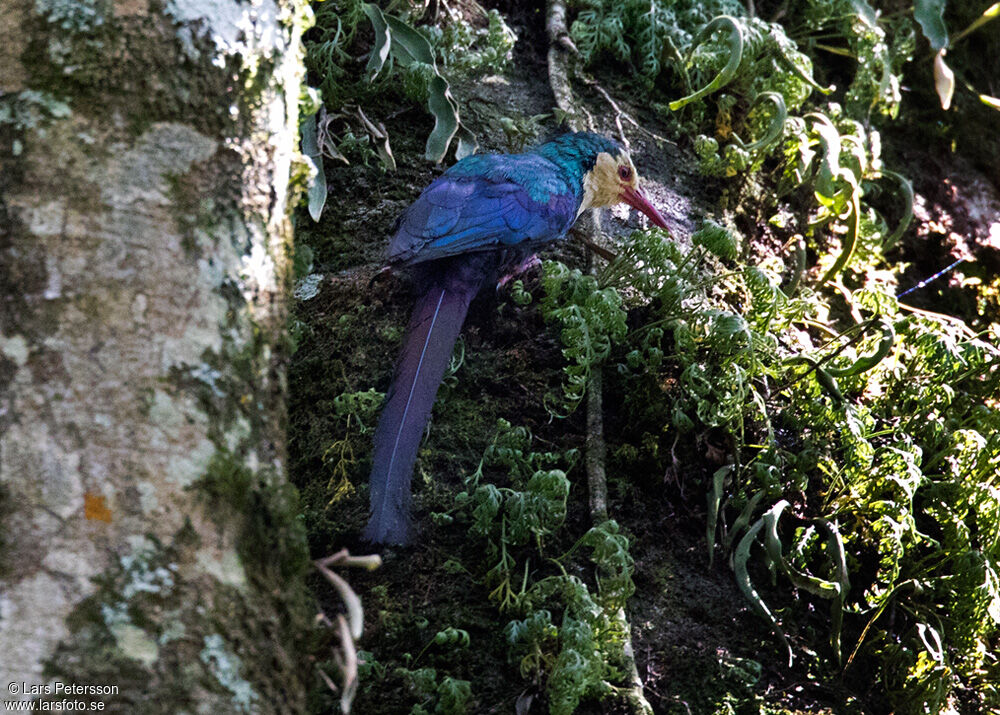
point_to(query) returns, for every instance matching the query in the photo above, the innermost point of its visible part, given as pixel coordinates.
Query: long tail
(434, 327)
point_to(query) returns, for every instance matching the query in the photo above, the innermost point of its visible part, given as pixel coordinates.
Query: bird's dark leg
(383, 273)
(604, 253)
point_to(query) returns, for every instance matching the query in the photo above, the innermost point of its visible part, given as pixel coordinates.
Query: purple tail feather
(434, 327)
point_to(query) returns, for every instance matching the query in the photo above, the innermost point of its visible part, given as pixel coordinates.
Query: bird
(485, 213)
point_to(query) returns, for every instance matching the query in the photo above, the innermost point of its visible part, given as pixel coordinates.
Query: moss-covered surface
(699, 646)
(171, 644)
(695, 639)
(124, 109)
(100, 63)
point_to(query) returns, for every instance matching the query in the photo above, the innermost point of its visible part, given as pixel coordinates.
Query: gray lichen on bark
(146, 241)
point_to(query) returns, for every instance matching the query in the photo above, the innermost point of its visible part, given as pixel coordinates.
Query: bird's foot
(383, 273)
(526, 265)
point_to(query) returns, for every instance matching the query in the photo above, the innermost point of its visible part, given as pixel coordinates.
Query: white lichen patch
(237, 436)
(234, 27)
(114, 614)
(135, 643)
(185, 470)
(142, 578)
(164, 412)
(29, 633)
(36, 465)
(166, 149)
(32, 109)
(46, 219)
(308, 287)
(81, 564)
(222, 565)
(148, 500)
(226, 666)
(53, 286)
(139, 305)
(139, 576)
(15, 348)
(257, 273)
(208, 376)
(72, 15)
(172, 631)
(173, 416)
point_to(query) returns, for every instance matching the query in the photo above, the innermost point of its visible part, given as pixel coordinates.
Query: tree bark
(148, 541)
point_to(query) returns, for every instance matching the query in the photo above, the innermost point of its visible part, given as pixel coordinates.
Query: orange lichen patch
(95, 508)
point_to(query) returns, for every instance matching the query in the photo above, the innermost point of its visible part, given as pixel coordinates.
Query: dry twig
(348, 628)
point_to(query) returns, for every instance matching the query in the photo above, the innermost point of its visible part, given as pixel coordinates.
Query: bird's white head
(614, 180)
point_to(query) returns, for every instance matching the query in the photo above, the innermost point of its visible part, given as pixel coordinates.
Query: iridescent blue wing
(485, 202)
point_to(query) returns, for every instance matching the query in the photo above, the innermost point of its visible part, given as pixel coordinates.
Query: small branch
(351, 601)
(619, 115)
(593, 246)
(595, 448)
(344, 558)
(595, 453)
(348, 628)
(560, 46)
(347, 661)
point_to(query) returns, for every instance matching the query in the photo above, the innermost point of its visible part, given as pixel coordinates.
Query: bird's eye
(625, 172)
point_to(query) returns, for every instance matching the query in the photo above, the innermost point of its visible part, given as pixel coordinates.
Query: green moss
(200, 205)
(104, 61)
(129, 596)
(271, 540)
(150, 613)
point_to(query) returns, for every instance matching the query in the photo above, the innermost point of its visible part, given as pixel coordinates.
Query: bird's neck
(600, 184)
(572, 165)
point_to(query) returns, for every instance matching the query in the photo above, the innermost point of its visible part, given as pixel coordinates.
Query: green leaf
(383, 40)
(740, 559)
(442, 106)
(906, 191)
(930, 15)
(853, 228)
(865, 12)
(867, 362)
(408, 45)
(714, 503)
(723, 22)
(467, 143)
(743, 520)
(836, 551)
(310, 150)
(775, 126)
(989, 101)
(829, 139)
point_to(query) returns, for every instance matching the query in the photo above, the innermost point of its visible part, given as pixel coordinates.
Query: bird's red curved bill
(638, 201)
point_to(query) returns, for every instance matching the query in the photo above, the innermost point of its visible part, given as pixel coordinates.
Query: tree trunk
(148, 543)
